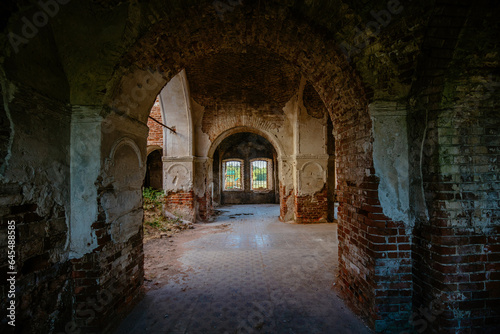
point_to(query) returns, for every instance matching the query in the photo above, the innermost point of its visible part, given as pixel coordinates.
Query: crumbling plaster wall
(178, 156)
(188, 158)
(390, 159)
(106, 245)
(390, 55)
(311, 162)
(34, 193)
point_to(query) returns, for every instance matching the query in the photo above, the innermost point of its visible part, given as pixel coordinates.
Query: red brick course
(310, 209)
(155, 136)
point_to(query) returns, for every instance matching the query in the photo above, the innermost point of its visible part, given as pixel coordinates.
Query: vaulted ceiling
(254, 78)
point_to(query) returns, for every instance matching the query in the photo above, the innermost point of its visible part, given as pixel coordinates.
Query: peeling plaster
(312, 178)
(85, 170)
(122, 204)
(390, 158)
(178, 176)
(36, 160)
(202, 167)
(202, 140)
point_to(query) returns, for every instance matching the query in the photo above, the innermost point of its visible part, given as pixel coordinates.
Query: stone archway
(264, 133)
(321, 63)
(90, 92)
(244, 148)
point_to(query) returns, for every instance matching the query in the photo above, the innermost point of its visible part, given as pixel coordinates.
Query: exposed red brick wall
(284, 196)
(181, 203)
(310, 209)
(374, 251)
(378, 274)
(326, 69)
(456, 249)
(205, 209)
(155, 136)
(107, 282)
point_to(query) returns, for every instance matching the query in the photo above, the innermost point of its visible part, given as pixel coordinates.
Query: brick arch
(227, 120)
(170, 45)
(261, 132)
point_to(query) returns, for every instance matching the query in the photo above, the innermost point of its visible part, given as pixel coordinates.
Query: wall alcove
(245, 170)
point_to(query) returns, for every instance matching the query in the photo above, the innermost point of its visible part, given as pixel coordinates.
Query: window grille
(232, 175)
(259, 175)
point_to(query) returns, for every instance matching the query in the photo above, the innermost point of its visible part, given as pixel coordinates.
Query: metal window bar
(171, 129)
(232, 177)
(259, 175)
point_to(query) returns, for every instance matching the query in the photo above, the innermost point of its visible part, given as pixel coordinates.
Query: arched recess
(122, 199)
(275, 142)
(170, 45)
(216, 170)
(154, 169)
(110, 161)
(272, 139)
(152, 148)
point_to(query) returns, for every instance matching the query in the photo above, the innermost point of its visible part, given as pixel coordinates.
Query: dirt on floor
(162, 250)
(157, 226)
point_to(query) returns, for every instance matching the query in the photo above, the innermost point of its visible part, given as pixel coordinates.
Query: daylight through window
(259, 175)
(232, 175)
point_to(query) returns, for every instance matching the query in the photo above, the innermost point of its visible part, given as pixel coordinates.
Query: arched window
(233, 174)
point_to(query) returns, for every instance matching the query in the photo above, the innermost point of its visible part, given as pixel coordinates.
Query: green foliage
(152, 198)
(163, 224)
(152, 194)
(259, 174)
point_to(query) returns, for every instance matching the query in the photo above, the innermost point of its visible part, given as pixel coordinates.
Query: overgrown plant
(155, 223)
(152, 198)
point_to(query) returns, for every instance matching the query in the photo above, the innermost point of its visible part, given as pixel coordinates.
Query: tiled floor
(260, 276)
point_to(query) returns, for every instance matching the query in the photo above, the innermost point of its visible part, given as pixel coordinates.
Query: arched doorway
(93, 92)
(318, 64)
(154, 170)
(352, 125)
(245, 170)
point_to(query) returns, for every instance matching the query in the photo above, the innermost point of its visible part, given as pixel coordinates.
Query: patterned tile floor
(259, 276)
